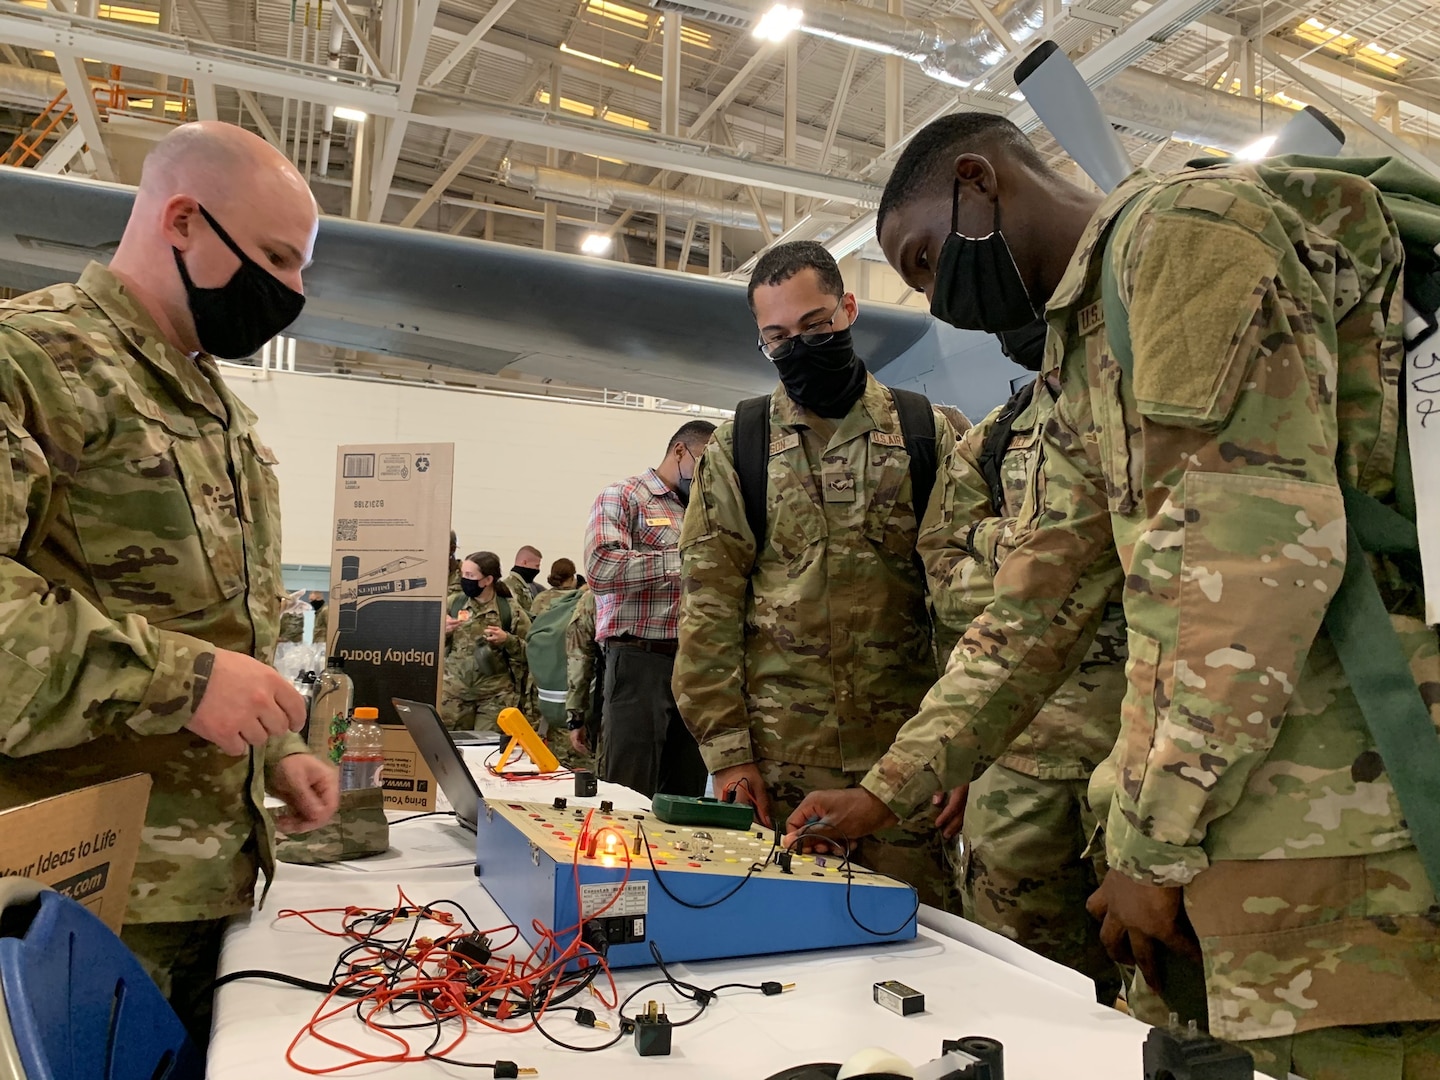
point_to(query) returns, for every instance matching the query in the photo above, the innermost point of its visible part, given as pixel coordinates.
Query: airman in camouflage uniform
(1025, 871)
(802, 663)
(1267, 344)
(140, 546)
(476, 688)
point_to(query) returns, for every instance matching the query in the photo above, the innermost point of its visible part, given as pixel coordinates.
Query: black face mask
(977, 284)
(470, 587)
(1025, 346)
(317, 604)
(234, 320)
(826, 379)
(527, 573)
(684, 483)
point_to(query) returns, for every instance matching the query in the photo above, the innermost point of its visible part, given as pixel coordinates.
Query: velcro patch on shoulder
(884, 438)
(1223, 204)
(1197, 287)
(780, 443)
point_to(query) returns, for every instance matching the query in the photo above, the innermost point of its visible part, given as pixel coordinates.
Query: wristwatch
(575, 721)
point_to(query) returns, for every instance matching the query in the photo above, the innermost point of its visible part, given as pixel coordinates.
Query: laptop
(438, 750)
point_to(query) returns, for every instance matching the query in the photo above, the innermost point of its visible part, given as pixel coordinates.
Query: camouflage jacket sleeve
(277, 749)
(1049, 597)
(960, 507)
(1220, 452)
(514, 645)
(717, 553)
(580, 656)
(70, 672)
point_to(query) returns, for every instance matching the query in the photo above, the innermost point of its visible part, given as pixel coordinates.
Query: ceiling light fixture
(779, 23)
(596, 243)
(1258, 149)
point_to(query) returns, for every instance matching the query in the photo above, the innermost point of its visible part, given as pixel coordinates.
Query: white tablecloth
(1048, 1028)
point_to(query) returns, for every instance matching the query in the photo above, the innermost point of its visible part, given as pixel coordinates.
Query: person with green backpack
(1223, 421)
(550, 618)
(485, 668)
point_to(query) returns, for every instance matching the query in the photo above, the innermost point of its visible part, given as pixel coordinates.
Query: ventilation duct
(1157, 107)
(29, 88)
(603, 194)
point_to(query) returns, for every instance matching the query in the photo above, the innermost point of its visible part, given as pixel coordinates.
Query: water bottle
(330, 712)
(364, 757)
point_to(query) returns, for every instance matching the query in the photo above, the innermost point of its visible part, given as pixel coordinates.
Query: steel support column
(87, 116)
(417, 32)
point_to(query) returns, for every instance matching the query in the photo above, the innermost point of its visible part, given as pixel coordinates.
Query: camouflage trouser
(912, 851)
(1372, 1052)
(182, 958)
(1025, 875)
(475, 714)
(558, 739)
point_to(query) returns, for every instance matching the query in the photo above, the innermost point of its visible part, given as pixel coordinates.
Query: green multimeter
(712, 813)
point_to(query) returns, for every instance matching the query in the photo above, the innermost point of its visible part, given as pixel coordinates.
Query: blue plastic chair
(79, 1005)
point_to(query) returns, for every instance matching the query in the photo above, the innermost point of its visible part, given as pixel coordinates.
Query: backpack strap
(1117, 319)
(504, 606)
(1359, 626)
(917, 425)
(752, 460)
(1380, 675)
(997, 441)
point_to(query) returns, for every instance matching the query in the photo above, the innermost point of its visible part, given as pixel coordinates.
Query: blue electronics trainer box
(697, 893)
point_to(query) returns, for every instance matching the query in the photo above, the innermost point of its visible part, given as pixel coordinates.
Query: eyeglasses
(780, 348)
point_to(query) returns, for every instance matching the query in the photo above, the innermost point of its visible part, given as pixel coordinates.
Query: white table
(1048, 1029)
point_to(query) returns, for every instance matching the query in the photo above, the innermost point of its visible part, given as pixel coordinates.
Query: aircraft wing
(478, 306)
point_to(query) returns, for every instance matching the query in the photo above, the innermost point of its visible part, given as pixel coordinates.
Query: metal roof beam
(352, 27)
(120, 43)
(247, 99)
(87, 115)
(468, 42)
(1357, 116)
(762, 56)
(598, 139)
(251, 71)
(420, 18)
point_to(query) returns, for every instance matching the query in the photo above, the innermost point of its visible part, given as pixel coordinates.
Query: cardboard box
(409, 783)
(82, 843)
(390, 572)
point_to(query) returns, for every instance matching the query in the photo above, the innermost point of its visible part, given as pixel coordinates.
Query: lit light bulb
(595, 243)
(779, 23)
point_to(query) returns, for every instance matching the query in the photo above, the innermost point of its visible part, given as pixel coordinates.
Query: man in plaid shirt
(634, 570)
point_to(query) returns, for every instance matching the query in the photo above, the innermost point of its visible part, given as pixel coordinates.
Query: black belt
(664, 646)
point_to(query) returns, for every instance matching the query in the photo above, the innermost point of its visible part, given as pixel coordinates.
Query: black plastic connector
(472, 947)
(770, 989)
(585, 784)
(1182, 1054)
(652, 1032)
(508, 1070)
(586, 1018)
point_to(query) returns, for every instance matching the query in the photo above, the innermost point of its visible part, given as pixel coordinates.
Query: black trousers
(643, 743)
